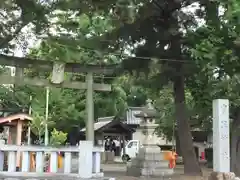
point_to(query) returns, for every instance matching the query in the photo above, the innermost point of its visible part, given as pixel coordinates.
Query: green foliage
(57, 138)
(216, 55)
(165, 107)
(164, 104)
(17, 16)
(38, 125)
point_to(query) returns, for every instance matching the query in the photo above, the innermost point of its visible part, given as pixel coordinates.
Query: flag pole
(29, 128)
(46, 117)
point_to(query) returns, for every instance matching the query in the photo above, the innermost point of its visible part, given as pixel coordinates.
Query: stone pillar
(85, 159)
(2, 142)
(150, 160)
(19, 140)
(221, 154)
(90, 109)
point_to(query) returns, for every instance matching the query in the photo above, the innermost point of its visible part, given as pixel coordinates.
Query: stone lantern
(148, 125)
(150, 160)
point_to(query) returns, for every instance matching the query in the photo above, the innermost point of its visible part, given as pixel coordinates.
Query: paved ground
(118, 171)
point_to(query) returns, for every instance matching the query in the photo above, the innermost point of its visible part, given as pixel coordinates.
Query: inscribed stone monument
(221, 154)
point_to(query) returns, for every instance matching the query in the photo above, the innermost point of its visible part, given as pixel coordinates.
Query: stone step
(151, 156)
(157, 172)
(148, 163)
(137, 172)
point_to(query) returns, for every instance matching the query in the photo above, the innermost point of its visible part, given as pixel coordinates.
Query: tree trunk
(191, 164)
(235, 146)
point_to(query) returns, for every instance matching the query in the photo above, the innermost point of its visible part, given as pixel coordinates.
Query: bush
(57, 137)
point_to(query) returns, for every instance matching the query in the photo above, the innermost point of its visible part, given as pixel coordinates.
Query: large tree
(161, 43)
(216, 53)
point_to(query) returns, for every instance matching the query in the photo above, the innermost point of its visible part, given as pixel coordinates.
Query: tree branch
(10, 37)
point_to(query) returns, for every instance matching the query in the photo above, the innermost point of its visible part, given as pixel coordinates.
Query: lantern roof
(148, 111)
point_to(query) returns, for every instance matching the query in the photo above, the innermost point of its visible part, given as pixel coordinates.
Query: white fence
(88, 158)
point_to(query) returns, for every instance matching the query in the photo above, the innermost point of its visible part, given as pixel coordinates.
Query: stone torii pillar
(90, 108)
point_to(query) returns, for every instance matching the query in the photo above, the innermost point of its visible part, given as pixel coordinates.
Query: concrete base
(149, 162)
(107, 157)
(138, 172)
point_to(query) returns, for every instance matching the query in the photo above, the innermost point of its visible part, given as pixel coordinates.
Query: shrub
(57, 137)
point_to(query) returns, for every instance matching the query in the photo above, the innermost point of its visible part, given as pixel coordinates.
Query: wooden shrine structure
(57, 79)
(110, 126)
(15, 124)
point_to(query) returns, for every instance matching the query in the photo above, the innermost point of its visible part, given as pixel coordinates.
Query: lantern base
(149, 162)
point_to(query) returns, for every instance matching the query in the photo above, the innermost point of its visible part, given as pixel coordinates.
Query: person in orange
(172, 160)
(171, 156)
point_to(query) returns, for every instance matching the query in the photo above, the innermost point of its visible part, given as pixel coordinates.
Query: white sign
(221, 154)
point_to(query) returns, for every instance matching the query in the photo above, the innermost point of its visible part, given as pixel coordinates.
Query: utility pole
(46, 117)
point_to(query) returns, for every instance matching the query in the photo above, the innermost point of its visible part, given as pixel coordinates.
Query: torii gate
(57, 80)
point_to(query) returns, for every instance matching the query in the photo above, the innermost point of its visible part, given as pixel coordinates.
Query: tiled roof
(102, 121)
(97, 125)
